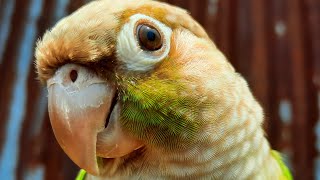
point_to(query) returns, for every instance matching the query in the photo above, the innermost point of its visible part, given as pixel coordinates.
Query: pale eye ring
(143, 42)
(149, 37)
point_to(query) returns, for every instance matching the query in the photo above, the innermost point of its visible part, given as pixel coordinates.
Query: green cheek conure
(137, 90)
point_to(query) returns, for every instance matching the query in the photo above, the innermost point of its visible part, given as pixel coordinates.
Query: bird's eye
(143, 42)
(149, 37)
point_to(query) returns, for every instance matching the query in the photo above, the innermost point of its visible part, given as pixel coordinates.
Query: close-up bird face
(133, 82)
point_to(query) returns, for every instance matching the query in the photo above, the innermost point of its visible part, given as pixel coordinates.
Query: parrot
(138, 90)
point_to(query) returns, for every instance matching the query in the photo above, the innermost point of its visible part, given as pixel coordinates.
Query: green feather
(161, 110)
(81, 175)
(285, 171)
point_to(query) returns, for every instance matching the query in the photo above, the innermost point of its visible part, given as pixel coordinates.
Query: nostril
(73, 75)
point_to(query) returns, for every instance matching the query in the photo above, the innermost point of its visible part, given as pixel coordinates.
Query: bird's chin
(113, 141)
(120, 165)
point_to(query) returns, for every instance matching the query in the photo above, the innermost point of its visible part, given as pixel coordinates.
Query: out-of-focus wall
(274, 44)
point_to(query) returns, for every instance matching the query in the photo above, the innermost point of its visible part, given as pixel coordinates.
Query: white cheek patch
(129, 51)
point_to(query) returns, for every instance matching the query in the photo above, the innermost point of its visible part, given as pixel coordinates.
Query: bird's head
(125, 77)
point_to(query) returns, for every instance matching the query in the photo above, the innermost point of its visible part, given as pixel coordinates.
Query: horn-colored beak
(79, 106)
(78, 112)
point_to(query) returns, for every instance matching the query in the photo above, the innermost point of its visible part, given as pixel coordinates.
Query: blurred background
(274, 44)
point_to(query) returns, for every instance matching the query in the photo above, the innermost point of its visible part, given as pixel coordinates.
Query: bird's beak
(79, 104)
(85, 117)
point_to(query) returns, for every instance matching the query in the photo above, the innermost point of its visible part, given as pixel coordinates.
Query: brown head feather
(89, 35)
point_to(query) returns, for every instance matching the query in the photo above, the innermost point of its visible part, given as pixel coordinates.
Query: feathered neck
(234, 148)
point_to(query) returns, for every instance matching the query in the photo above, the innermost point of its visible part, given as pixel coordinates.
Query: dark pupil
(149, 38)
